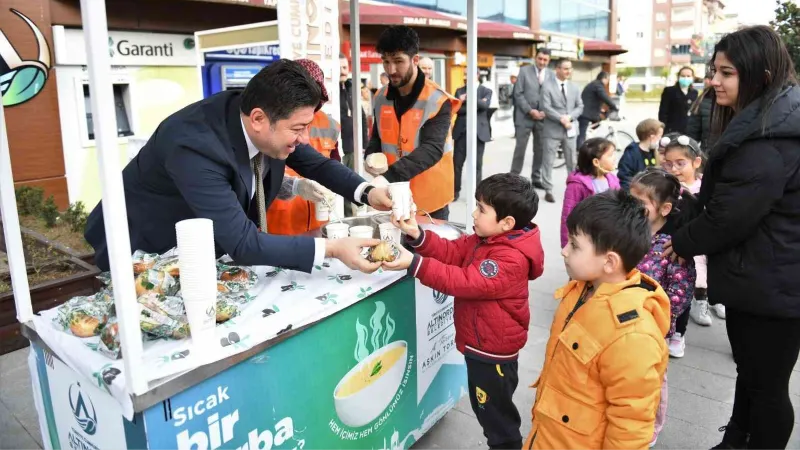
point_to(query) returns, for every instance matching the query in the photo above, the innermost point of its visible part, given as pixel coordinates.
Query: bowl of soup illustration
(369, 387)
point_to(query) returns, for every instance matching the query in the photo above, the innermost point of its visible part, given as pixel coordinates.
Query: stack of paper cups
(197, 263)
(401, 199)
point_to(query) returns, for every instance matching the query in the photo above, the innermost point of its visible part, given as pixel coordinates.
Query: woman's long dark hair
(765, 69)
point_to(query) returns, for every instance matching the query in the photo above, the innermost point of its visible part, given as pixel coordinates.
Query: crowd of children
(622, 314)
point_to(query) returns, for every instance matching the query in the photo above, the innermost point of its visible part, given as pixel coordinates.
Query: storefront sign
(433, 22)
(264, 53)
(21, 76)
(563, 47)
(369, 54)
(127, 48)
(485, 60)
(378, 374)
(310, 29)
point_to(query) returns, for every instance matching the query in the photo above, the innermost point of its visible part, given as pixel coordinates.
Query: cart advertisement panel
(378, 374)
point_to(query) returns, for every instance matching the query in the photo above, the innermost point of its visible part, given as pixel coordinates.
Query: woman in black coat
(750, 229)
(676, 101)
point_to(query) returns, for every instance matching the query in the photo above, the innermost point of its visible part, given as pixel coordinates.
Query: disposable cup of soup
(361, 231)
(337, 230)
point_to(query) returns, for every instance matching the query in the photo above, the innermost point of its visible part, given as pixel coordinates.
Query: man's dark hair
(560, 61)
(398, 39)
(615, 221)
(602, 75)
(509, 195)
(279, 89)
(543, 51)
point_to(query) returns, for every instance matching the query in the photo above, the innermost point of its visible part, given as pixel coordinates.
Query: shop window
(661, 34)
(121, 108)
(681, 49)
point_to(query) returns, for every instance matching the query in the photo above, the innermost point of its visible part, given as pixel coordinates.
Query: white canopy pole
(93, 16)
(8, 209)
(355, 51)
(472, 109)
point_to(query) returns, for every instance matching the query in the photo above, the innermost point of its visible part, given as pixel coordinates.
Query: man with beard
(412, 128)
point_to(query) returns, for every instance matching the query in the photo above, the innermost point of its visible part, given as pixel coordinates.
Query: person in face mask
(640, 155)
(676, 102)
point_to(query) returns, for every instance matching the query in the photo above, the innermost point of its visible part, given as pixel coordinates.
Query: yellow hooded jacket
(601, 382)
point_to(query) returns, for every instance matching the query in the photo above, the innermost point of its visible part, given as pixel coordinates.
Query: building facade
(665, 35)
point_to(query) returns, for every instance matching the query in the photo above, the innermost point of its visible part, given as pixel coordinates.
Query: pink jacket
(579, 187)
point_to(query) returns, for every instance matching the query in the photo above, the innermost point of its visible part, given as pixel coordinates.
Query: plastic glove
(380, 182)
(286, 192)
(311, 190)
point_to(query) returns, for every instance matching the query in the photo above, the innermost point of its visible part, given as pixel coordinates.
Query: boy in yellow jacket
(606, 356)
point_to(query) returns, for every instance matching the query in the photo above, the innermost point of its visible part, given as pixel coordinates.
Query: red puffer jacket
(489, 280)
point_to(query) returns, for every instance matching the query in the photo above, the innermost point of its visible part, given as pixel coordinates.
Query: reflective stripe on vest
(433, 188)
(324, 133)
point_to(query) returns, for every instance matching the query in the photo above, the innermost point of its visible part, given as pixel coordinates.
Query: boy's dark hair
(509, 195)
(662, 187)
(398, 38)
(591, 149)
(279, 89)
(648, 127)
(615, 221)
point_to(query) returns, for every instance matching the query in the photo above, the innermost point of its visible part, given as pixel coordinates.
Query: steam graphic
(378, 338)
(21, 80)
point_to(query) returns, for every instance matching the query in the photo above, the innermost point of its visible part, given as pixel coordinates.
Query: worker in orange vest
(413, 126)
(297, 214)
(293, 212)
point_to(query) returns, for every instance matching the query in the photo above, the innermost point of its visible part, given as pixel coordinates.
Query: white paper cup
(321, 211)
(197, 263)
(401, 199)
(390, 233)
(362, 232)
(337, 230)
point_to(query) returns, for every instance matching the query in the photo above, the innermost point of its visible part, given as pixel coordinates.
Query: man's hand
(565, 122)
(540, 115)
(379, 199)
(373, 171)
(410, 226)
(402, 262)
(311, 190)
(348, 251)
(462, 97)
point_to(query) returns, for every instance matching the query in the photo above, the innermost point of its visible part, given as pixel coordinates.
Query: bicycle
(603, 128)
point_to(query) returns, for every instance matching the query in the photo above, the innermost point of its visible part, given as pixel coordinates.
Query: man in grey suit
(528, 114)
(562, 104)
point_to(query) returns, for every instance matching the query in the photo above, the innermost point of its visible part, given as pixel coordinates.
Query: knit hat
(316, 73)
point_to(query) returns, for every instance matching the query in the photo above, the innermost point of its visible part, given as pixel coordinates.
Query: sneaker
(699, 313)
(719, 310)
(677, 346)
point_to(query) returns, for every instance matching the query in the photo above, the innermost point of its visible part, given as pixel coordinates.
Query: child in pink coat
(593, 175)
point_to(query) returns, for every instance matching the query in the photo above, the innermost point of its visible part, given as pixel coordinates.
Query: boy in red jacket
(488, 274)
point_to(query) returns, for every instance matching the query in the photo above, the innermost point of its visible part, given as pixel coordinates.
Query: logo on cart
(439, 297)
(22, 79)
(83, 409)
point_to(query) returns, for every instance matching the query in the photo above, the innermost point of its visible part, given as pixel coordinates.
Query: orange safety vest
(434, 188)
(297, 216)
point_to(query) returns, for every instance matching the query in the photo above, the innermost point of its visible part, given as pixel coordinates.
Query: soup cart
(330, 359)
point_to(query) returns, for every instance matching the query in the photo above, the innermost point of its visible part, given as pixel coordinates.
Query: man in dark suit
(223, 159)
(594, 95)
(460, 132)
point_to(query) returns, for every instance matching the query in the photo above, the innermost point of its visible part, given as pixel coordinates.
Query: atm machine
(231, 69)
